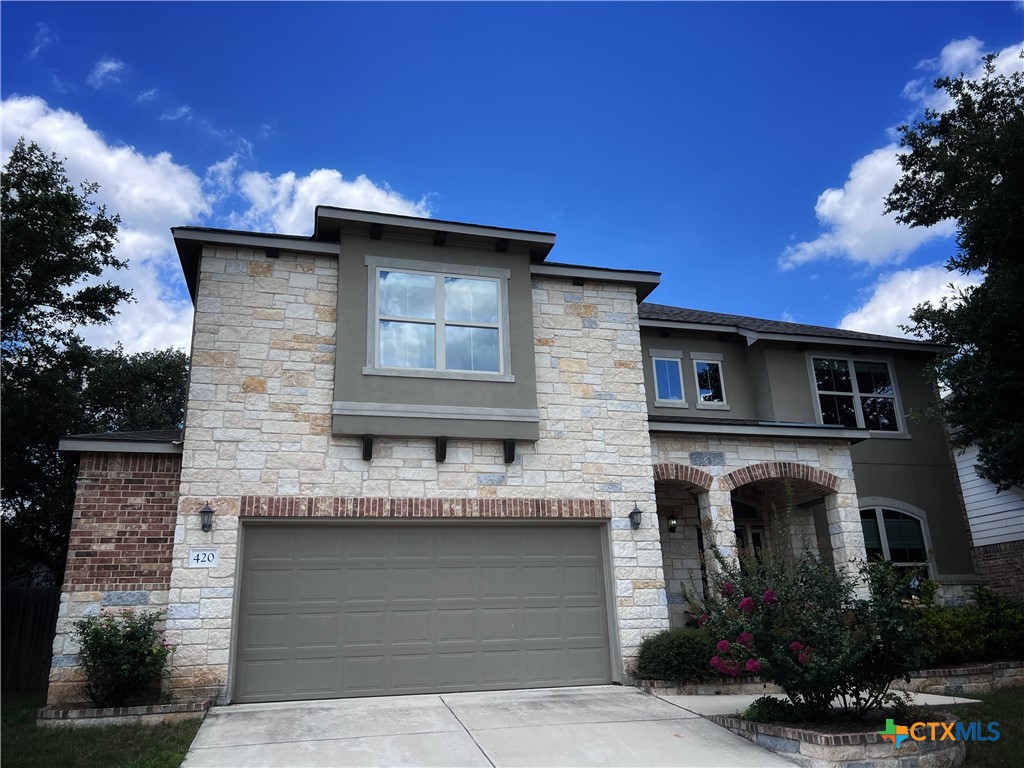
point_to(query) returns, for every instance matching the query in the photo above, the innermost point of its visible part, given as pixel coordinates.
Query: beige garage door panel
(356, 610)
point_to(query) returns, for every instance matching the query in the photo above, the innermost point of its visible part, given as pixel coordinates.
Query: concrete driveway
(593, 726)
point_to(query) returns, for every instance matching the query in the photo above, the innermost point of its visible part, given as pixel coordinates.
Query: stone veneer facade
(119, 554)
(258, 433)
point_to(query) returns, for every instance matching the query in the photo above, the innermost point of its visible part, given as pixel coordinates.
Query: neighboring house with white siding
(997, 526)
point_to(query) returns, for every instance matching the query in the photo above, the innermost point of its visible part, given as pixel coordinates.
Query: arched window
(896, 535)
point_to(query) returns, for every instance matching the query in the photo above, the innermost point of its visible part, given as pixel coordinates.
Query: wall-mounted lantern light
(634, 517)
(206, 518)
(672, 523)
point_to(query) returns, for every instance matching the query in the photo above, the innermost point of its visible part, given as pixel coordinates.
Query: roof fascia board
(70, 445)
(753, 337)
(256, 240)
(645, 282)
(763, 430)
(435, 225)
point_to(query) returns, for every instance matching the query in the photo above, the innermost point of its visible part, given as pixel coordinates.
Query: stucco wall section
(258, 424)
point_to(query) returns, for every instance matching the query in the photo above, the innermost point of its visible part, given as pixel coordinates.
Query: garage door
(359, 610)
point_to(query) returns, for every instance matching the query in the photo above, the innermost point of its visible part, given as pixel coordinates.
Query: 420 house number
(203, 558)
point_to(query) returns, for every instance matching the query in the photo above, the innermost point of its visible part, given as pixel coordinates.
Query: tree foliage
(56, 244)
(966, 163)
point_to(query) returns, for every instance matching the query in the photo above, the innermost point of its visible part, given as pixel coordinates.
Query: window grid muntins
(894, 536)
(438, 321)
(856, 394)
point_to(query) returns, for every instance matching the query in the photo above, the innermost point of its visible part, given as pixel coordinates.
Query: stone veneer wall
(120, 549)
(1001, 567)
(258, 424)
(727, 463)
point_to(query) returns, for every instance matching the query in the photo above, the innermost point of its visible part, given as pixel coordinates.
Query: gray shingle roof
(702, 317)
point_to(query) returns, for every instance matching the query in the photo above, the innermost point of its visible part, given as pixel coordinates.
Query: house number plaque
(203, 558)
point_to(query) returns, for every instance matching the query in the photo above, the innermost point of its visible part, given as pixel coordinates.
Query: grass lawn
(117, 746)
(1005, 707)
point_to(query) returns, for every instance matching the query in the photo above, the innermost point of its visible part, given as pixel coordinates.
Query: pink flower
(716, 663)
(754, 666)
(723, 646)
(796, 646)
(704, 619)
(747, 604)
(803, 658)
(728, 589)
(745, 638)
(769, 598)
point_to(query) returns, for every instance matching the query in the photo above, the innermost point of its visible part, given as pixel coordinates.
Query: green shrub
(124, 657)
(800, 624)
(768, 709)
(676, 654)
(990, 630)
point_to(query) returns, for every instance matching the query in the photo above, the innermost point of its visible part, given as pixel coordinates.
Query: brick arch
(683, 473)
(774, 470)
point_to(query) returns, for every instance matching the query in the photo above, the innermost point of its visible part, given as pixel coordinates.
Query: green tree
(56, 244)
(966, 163)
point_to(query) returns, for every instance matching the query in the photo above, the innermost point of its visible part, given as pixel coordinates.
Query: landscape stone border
(865, 749)
(721, 686)
(958, 681)
(150, 714)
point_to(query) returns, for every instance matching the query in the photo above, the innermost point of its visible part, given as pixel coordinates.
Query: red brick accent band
(683, 473)
(123, 529)
(381, 507)
(773, 470)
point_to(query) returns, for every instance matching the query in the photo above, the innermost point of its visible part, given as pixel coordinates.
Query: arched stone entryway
(814, 509)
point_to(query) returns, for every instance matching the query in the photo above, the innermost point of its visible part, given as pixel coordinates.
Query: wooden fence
(29, 616)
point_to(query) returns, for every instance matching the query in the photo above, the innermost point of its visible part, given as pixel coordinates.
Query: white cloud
(151, 193)
(42, 38)
(106, 71)
(285, 203)
(183, 112)
(146, 95)
(896, 294)
(852, 218)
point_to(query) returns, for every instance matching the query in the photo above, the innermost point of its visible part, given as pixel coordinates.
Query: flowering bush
(124, 657)
(798, 623)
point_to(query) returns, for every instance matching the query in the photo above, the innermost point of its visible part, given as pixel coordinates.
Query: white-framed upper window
(668, 378)
(437, 320)
(898, 536)
(709, 378)
(856, 393)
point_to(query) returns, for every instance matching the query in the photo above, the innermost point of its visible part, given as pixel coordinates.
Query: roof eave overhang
(644, 282)
(766, 429)
(78, 445)
(753, 337)
(329, 221)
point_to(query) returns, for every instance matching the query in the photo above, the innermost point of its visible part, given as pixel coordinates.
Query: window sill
(713, 406)
(670, 404)
(417, 373)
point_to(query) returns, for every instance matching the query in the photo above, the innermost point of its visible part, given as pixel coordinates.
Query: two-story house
(418, 456)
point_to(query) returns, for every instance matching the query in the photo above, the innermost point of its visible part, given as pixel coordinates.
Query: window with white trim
(710, 379)
(443, 322)
(856, 394)
(668, 382)
(896, 536)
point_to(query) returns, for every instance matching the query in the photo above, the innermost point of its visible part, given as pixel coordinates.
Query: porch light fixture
(206, 518)
(634, 517)
(672, 523)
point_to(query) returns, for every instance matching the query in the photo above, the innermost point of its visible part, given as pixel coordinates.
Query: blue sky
(741, 149)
